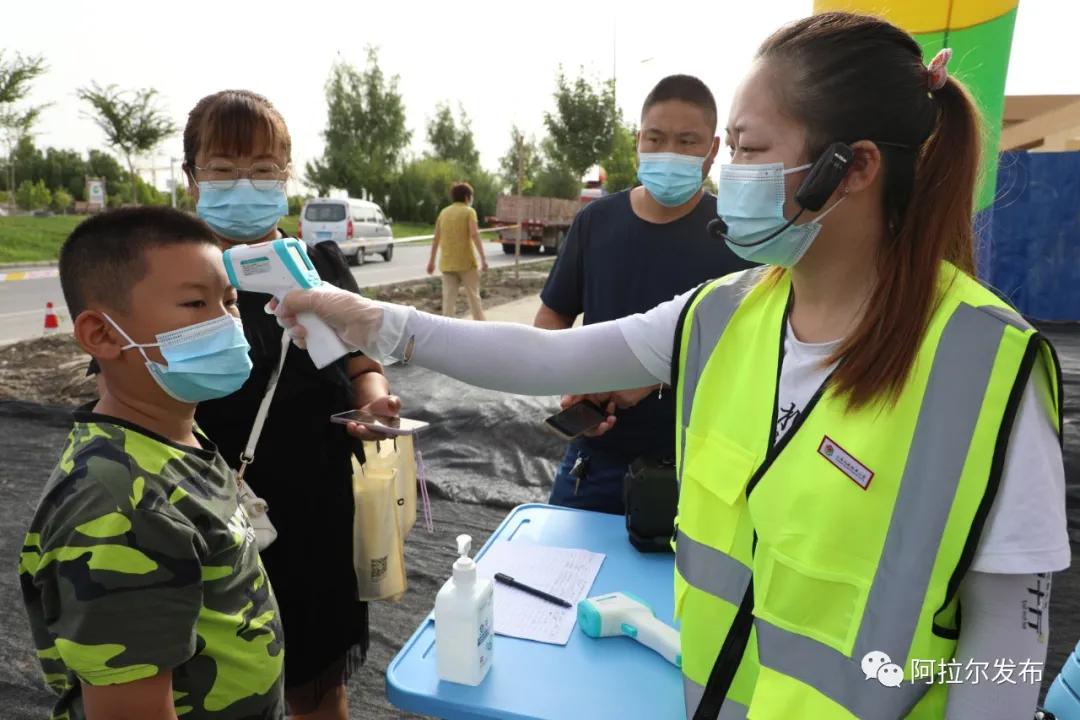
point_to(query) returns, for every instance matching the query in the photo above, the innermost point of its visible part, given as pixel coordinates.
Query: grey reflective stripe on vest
(1008, 316)
(951, 405)
(709, 319)
(692, 694)
(836, 676)
(710, 570)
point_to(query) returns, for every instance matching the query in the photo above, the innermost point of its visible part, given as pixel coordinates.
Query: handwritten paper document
(562, 572)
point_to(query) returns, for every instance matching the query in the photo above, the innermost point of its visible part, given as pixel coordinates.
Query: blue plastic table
(603, 678)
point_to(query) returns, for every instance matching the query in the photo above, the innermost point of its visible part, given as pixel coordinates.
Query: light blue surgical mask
(207, 360)
(671, 178)
(750, 199)
(242, 209)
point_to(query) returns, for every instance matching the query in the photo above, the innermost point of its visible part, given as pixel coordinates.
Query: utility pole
(172, 180)
(521, 204)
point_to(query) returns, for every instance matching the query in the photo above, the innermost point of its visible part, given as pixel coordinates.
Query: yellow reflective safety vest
(847, 539)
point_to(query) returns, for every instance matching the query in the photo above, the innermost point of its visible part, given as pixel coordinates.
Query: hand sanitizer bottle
(464, 622)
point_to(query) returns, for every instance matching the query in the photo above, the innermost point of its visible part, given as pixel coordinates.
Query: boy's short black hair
(103, 258)
(686, 88)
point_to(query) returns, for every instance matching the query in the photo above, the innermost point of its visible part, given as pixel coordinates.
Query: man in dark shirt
(626, 253)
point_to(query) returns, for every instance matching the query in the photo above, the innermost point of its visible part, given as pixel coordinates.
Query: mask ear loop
(843, 196)
(131, 343)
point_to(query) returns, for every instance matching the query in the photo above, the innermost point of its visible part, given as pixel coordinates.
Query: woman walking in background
(457, 231)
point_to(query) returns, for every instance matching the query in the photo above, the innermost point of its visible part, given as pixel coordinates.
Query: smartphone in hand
(380, 423)
(576, 420)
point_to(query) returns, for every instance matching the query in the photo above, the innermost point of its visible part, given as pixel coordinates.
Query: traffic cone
(52, 323)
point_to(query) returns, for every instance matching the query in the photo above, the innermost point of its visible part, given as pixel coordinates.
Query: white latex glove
(355, 319)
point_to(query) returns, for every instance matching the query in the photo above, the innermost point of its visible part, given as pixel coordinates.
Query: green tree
(62, 200)
(183, 200)
(296, 203)
(524, 155)
(621, 163)
(556, 181)
(709, 185)
(103, 165)
(582, 128)
(147, 194)
(131, 120)
(452, 139)
(422, 189)
(365, 131)
(27, 160)
(66, 170)
(486, 190)
(16, 77)
(33, 196)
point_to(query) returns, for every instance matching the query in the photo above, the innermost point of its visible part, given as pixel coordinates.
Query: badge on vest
(845, 463)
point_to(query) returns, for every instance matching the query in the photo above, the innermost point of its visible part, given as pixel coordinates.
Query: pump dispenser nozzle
(464, 566)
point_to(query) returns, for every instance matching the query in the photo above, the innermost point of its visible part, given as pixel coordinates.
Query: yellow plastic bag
(378, 542)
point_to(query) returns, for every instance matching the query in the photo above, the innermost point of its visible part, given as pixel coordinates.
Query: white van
(358, 227)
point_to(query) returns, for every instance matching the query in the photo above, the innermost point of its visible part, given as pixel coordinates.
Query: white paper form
(565, 573)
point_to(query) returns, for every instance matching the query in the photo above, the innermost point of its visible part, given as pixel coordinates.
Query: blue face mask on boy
(750, 199)
(671, 178)
(207, 360)
(242, 209)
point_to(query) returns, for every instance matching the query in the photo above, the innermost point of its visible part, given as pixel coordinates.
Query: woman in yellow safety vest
(868, 439)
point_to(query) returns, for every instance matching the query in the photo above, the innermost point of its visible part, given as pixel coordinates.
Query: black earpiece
(825, 176)
(821, 181)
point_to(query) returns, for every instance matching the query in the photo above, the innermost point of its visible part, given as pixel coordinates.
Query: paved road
(22, 302)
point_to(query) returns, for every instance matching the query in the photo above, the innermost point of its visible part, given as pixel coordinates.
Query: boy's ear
(97, 336)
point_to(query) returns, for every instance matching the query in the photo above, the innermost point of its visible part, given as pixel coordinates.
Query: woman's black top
(303, 470)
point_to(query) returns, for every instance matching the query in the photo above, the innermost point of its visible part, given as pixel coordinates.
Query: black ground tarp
(485, 454)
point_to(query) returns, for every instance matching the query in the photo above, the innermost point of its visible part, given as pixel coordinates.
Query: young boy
(143, 585)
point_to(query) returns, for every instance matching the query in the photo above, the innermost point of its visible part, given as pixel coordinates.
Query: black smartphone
(576, 420)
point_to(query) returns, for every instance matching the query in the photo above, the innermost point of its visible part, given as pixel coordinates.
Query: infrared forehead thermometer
(623, 614)
(278, 267)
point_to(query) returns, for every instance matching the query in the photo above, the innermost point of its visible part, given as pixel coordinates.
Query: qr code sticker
(378, 568)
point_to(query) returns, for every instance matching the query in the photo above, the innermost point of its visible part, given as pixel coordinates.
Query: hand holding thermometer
(278, 267)
(623, 614)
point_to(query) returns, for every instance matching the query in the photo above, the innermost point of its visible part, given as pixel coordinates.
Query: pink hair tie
(937, 70)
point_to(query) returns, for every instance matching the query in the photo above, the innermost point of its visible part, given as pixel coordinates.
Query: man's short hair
(686, 88)
(461, 191)
(104, 257)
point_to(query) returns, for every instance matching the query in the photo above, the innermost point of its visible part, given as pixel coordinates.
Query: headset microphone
(718, 229)
(822, 180)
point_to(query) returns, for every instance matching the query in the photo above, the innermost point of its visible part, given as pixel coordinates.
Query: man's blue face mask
(207, 360)
(672, 179)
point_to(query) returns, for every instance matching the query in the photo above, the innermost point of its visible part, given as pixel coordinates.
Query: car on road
(359, 227)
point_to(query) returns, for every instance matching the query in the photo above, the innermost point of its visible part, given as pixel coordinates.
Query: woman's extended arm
(499, 356)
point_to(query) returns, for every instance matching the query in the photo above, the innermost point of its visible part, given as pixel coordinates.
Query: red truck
(544, 221)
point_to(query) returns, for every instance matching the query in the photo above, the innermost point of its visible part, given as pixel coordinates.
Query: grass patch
(30, 239)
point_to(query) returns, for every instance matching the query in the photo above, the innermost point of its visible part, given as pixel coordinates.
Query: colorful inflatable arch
(980, 34)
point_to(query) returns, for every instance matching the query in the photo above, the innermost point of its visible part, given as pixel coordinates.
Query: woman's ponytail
(938, 217)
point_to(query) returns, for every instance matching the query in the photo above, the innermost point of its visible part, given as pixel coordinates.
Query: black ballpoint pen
(507, 580)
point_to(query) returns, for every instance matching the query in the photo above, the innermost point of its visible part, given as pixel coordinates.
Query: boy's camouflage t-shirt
(140, 560)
